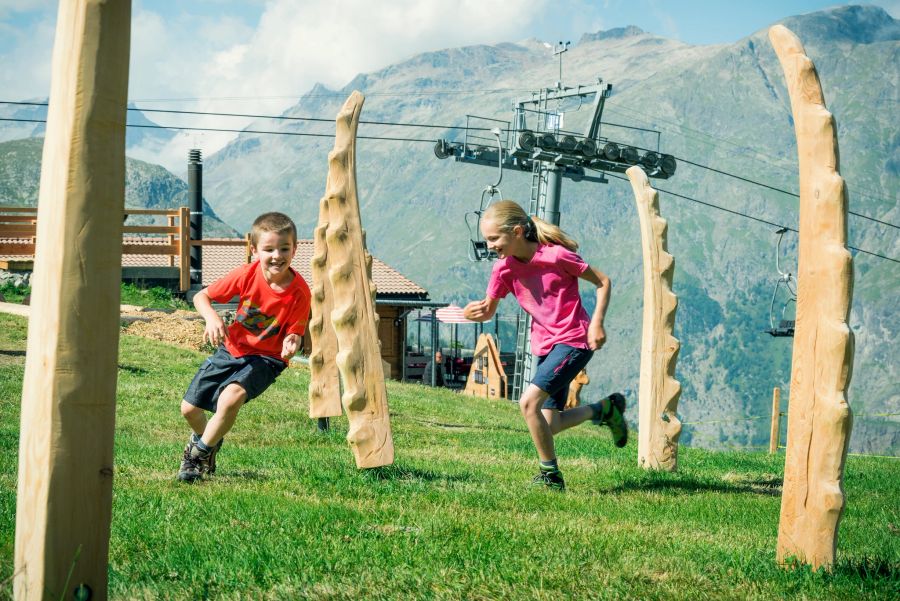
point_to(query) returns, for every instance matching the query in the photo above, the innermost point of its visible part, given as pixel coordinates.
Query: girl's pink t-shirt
(547, 289)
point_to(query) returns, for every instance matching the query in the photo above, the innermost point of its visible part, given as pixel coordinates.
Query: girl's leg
(195, 416)
(231, 399)
(563, 420)
(530, 404)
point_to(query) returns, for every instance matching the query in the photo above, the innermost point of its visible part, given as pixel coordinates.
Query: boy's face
(275, 252)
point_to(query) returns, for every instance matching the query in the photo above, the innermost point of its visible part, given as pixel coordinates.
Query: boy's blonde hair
(274, 222)
(507, 214)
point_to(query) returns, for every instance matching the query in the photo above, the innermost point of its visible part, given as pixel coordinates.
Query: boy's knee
(188, 410)
(232, 398)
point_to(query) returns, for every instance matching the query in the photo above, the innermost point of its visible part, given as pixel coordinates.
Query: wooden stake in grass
(64, 499)
(349, 268)
(775, 432)
(658, 425)
(819, 418)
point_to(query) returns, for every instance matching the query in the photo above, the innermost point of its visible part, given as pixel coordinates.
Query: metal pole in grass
(776, 420)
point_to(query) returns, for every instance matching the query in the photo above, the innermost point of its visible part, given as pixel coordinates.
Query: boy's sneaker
(615, 419)
(212, 456)
(551, 479)
(194, 463)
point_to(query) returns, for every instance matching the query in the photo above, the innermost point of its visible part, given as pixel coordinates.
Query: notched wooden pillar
(64, 500)
(819, 418)
(658, 424)
(324, 382)
(349, 268)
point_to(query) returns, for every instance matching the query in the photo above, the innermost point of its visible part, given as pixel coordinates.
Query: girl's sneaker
(615, 419)
(549, 478)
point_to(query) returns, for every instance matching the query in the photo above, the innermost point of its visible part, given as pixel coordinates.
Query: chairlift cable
(745, 215)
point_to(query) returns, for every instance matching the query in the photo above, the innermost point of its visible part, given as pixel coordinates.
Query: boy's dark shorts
(254, 373)
(556, 370)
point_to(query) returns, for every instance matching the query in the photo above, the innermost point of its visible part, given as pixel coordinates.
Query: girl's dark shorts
(254, 373)
(556, 370)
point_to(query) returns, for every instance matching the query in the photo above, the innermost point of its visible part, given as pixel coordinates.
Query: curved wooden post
(324, 382)
(819, 418)
(64, 502)
(354, 318)
(658, 424)
(574, 398)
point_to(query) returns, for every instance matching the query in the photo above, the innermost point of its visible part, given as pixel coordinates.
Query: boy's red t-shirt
(264, 317)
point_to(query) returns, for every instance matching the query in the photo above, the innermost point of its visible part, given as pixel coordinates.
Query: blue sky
(260, 55)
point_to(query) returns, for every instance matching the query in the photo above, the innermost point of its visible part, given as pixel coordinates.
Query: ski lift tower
(537, 142)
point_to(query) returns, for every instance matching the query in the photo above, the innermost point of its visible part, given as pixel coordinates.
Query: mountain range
(719, 109)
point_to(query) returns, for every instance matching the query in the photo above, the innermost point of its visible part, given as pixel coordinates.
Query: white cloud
(296, 44)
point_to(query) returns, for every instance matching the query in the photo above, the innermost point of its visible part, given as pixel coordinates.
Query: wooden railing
(18, 232)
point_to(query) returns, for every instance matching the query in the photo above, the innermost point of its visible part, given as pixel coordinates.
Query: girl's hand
(215, 331)
(596, 336)
(290, 346)
(476, 310)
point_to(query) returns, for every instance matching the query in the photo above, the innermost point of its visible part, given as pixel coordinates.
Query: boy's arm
(290, 346)
(596, 331)
(215, 330)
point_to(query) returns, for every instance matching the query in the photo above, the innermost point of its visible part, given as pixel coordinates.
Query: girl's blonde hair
(507, 214)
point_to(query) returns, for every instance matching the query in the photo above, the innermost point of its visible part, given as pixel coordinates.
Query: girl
(538, 264)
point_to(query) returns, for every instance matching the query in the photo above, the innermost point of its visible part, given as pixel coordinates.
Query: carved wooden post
(69, 391)
(658, 425)
(354, 318)
(324, 382)
(819, 418)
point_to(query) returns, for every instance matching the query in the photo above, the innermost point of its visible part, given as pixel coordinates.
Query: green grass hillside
(288, 516)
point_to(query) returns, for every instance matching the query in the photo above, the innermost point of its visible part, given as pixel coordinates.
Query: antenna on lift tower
(536, 142)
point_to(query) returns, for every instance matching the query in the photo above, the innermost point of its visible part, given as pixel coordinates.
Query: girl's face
(505, 244)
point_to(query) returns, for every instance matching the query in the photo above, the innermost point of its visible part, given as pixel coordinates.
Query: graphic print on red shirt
(264, 316)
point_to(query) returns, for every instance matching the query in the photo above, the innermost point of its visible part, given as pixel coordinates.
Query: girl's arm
(481, 310)
(596, 331)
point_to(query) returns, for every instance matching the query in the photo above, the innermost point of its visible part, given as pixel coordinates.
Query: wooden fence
(18, 233)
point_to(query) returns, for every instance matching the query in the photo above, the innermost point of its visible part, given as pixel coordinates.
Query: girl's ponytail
(508, 214)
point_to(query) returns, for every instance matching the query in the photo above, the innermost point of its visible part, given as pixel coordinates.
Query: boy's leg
(195, 416)
(231, 399)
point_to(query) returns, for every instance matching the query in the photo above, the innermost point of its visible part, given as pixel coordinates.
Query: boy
(272, 313)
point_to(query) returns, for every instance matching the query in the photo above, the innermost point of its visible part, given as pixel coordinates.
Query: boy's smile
(275, 252)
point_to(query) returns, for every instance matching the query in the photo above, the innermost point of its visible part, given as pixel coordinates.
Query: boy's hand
(290, 346)
(596, 336)
(215, 331)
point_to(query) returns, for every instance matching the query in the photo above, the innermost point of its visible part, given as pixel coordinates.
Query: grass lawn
(288, 515)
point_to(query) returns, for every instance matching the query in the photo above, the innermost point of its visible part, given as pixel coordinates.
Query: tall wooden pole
(353, 315)
(819, 418)
(658, 427)
(68, 394)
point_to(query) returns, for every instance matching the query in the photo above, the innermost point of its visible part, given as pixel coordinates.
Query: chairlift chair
(785, 327)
